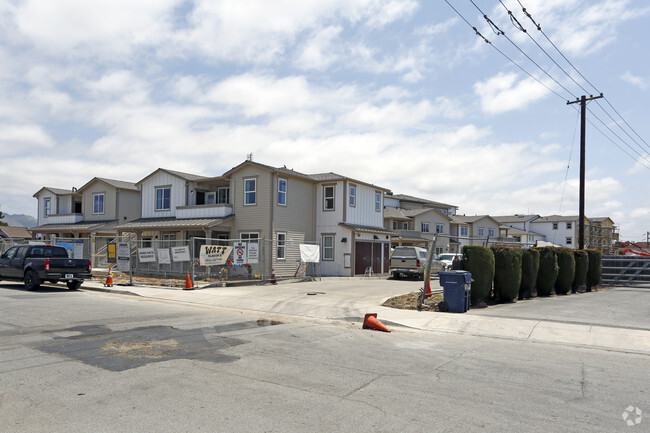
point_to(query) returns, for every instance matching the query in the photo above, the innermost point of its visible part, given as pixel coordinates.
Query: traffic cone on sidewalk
(427, 289)
(188, 282)
(109, 278)
(370, 322)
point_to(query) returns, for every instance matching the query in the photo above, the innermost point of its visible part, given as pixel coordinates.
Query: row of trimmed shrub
(517, 273)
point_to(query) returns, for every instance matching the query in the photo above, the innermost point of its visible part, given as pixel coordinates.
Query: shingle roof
(146, 223)
(80, 226)
(556, 218)
(367, 229)
(410, 198)
(514, 218)
(395, 213)
(15, 232)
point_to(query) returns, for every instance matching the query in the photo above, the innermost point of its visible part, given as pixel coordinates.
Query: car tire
(396, 276)
(53, 281)
(31, 280)
(73, 285)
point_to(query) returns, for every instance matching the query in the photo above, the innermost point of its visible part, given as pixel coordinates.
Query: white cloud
(635, 80)
(503, 93)
(20, 139)
(319, 51)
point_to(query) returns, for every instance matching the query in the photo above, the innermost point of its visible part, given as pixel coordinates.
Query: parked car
(447, 259)
(410, 262)
(34, 264)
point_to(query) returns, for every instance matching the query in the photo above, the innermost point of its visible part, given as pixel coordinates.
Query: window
(440, 228)
(210, 197)
(163, 198)
(405, 226)
(282, 192)
(250, 237)
(569, 240)
(328, 197)
(395, 225)
(377, 201)
(481, 231)
(425, 227)
(250, 189)
(282, 242)
(328, 247)
(463, 230)
(47, 205)
(491, 233)
(353, 195)
(223, 195)
(169, 240)
(568, 226)
(554, 226)
(98, 204)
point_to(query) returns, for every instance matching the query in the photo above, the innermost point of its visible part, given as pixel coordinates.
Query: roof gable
(185, 176)
(117, 184)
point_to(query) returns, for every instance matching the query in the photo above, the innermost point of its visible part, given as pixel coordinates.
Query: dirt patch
(410, 302)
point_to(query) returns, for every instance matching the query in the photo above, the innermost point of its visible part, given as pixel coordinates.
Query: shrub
(548, 270)
(529, 271)
(507, 273)
(479, 261)
(582, 266)
(595, 269)
(566, 272)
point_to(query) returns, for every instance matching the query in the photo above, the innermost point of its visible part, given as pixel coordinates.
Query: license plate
(69, 276)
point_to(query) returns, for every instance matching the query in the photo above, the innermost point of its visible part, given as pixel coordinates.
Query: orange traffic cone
(273, 280)
(427, 289)
(370, 322)
(109, 278)
(188, 282)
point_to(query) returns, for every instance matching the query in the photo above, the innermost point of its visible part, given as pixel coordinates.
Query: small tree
(548, 270)
(1, 217)
(507, 273)
(595, 270)
(529, 271)
(566, 270)
(582, 266)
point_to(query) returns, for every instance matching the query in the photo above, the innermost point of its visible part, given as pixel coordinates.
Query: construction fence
(626, 271)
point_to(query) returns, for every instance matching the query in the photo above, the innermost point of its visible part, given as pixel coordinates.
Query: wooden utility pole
(583, 120)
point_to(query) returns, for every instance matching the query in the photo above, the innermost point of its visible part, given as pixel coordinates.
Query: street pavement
(615, 319)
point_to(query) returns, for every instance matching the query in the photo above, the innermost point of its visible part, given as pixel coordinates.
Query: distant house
(472, 230)
(602, 234)
(558, 229)
(16, 233)
(417, 227)
(517, 228)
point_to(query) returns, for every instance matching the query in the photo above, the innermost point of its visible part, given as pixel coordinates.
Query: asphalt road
(95, 362)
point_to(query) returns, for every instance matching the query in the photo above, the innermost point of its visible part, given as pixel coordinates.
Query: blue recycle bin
(456, 287)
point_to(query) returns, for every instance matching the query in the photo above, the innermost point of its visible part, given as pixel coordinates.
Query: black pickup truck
(34, 264)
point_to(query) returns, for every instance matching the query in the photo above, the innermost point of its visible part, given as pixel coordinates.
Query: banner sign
(181, 254)
(146, 255)
(214, 255)
(309, 253)
(253, 253)
(163, 256)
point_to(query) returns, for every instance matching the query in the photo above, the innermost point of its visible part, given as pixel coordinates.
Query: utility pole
(583, 120)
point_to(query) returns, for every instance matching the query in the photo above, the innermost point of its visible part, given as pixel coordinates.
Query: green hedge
(595, 270)
(529, 271)
(566, 272)
(507, 273)
(582, 266)
(479, 261)
(548, 270)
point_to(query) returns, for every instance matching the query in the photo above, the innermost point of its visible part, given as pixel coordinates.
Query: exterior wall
(329, 220)
(257, 217)
(558, 236)
(129, 205)
(64, 205)
(364, 212)
(148, 191)
(487, 225)
(336, 267)
(434, 218)
(390, 201)
(110, 202)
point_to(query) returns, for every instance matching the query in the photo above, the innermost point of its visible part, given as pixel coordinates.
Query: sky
(399, 93)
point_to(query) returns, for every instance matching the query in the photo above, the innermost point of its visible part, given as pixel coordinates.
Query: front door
(362, 257)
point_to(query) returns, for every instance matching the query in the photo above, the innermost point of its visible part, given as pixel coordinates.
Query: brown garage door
(370, 254)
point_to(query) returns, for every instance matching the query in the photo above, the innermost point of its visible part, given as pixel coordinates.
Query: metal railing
(626, 271)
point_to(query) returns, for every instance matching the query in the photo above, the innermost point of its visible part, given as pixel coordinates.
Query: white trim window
(491, 233)
(281, 246)
(440, 228)
(98, 204)
(395, 223)
(353, 195)
(554, 226)
(328, 247)
(250, 191)
(425, 227)
(328, 197)
(250, 237)
(163, 198)
(569, 226)
(464, 230)
(377, 201)
(223, 195)
(282, 192)
(47, 206)
(211, 197)
(481, 231)
(569, 240)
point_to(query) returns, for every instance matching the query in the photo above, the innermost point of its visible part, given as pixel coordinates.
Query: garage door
(369, 254)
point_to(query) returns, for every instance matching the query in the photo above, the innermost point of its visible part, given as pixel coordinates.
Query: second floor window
(353, 196)
(250, 190)
(481, 231)
(163, 198)
(568, 226)
(328, 197)
(378, 201)
(47, 206)
(463, 231)
(282, 192)
(223, 195)
(425, 227)
(554, 226)
(569, 240)
(98, 204)
(440, 228)
(491, 233)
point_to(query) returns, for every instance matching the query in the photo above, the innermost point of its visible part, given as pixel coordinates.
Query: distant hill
(19, 220)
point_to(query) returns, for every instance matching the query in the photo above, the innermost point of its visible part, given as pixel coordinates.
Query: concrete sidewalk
(349, 299)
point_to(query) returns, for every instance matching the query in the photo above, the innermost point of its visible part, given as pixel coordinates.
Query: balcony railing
(68, 218)
(204, 211)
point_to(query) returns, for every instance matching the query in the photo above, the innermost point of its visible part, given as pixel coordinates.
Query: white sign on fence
(181, 254)
(123, 257)
(214, 255)
(146, 255)
(309, 253)
(163, 256)
(239, 257)
(253, 253)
